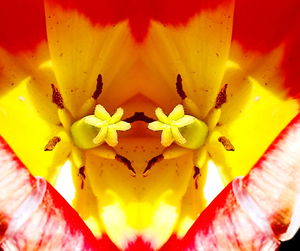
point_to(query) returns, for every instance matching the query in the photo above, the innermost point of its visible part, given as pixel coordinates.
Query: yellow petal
(128, 206)
(253, 116)
(28, 133)
(198, 51)
(88, 50)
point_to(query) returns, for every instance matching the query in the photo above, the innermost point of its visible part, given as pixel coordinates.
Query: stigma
(101, 127)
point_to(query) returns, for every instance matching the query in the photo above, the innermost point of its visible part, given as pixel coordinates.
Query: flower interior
(141, 136)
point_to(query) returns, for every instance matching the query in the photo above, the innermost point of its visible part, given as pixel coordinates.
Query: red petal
(251, 213)
(22, 24)
(33, 215)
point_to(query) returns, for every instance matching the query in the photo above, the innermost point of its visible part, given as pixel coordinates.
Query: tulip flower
(149, 125)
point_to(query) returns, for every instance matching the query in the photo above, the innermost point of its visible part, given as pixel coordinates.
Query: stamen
(196, 175)
(52, 143)
(222, 97)
(179, 87)
(99, 87)
(139, 116)
(81, 174)
(56, 97)
(226, 143)
(127, 163)
(151, 162)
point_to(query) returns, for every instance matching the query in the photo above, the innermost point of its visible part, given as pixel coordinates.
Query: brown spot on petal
(52, 143)
(226, 143)
(99, 87)
(56, 97)
(222, 97)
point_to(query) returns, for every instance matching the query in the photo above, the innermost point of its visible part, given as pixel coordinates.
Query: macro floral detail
(157, 121)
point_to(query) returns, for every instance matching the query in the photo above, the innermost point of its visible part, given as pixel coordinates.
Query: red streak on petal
(22, 24)
(50, 222)
(140, 13)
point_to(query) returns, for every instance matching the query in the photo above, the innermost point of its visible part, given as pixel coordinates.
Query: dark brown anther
(99, 87)
(81, 174)
(139, 116)
(127, 163)
(179, 87)
(56, 97)
(52, 143)
(226, 143)
(152, 162)
(222, 97)
(196, 175)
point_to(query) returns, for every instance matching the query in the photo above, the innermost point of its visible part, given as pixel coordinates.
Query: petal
(199, 58)
(81, 51)
(263, 202)
(30, 200)
(130, 207)
(29, 118)
(22, 25)
(268, 27)
(256, 110)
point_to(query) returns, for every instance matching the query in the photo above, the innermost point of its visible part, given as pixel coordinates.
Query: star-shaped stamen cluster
(108, 125)
(170, 125)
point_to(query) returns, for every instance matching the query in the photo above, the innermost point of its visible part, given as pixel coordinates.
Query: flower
(235, 77)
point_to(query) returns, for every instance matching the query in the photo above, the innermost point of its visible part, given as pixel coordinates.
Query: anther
(179, 87)
(151, 163)
(197, 173)
(127, 163)
(81, 174)
(226, 143)
(99, 87)
(139, 116)
(56, 97)
(222, 97)
(52, 143)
